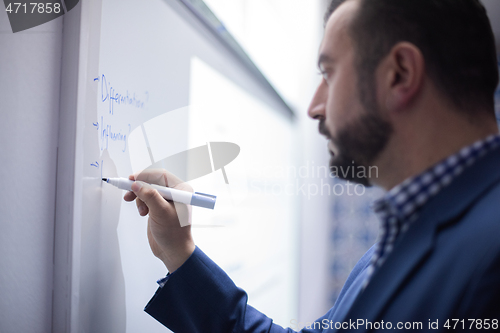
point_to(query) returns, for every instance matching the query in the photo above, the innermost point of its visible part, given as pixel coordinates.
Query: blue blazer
(443, 273)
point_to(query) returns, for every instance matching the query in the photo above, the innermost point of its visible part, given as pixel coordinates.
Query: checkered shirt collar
(406, 199)
(401, 205)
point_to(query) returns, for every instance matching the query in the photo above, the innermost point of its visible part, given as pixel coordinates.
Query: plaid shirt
(402, 204)
(161, 282)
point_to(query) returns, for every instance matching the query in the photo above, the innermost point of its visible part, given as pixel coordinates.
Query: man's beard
(358, 144)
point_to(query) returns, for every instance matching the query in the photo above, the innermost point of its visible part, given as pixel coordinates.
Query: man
(408, 87)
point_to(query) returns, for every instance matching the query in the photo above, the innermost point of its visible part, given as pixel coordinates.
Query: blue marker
(193, 199)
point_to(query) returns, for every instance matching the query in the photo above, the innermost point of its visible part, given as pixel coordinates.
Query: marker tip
(105, 179)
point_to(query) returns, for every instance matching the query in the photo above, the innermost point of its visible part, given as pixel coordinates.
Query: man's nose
(317, 108)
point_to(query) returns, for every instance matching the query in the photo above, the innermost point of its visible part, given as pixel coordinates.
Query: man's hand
(169, 241)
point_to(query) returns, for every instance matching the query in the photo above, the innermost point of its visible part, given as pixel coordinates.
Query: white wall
(30, 64)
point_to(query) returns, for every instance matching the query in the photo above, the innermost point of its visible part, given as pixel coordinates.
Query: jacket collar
(418, 241)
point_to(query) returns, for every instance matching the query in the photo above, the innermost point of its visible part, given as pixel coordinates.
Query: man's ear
(403, 73)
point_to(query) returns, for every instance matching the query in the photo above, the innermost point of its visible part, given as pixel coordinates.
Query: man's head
(380, 57)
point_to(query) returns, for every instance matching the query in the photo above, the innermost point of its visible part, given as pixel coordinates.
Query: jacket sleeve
(481, 301)
(200, 297)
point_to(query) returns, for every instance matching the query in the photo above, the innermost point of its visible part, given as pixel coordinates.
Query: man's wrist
(178, 257)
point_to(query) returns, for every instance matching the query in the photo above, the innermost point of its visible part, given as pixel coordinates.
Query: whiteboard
(142, 83)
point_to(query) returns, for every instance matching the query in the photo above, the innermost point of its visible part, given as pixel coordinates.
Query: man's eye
(325, 75)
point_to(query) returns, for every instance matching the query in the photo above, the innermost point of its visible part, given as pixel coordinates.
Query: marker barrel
(195, 199)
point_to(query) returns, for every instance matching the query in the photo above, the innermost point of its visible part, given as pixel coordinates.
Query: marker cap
(203, 200)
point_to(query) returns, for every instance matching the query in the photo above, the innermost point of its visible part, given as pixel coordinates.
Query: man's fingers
(141, 207)
(161, 177)
(158, 176)
(129, 196)
(147, 199)
(149, 196)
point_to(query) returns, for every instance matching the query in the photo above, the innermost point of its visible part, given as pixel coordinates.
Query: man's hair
(454, 36)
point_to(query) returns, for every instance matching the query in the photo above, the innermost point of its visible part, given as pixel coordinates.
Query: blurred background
(282, 37)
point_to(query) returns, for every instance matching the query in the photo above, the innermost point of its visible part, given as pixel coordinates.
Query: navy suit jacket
(444, 269)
